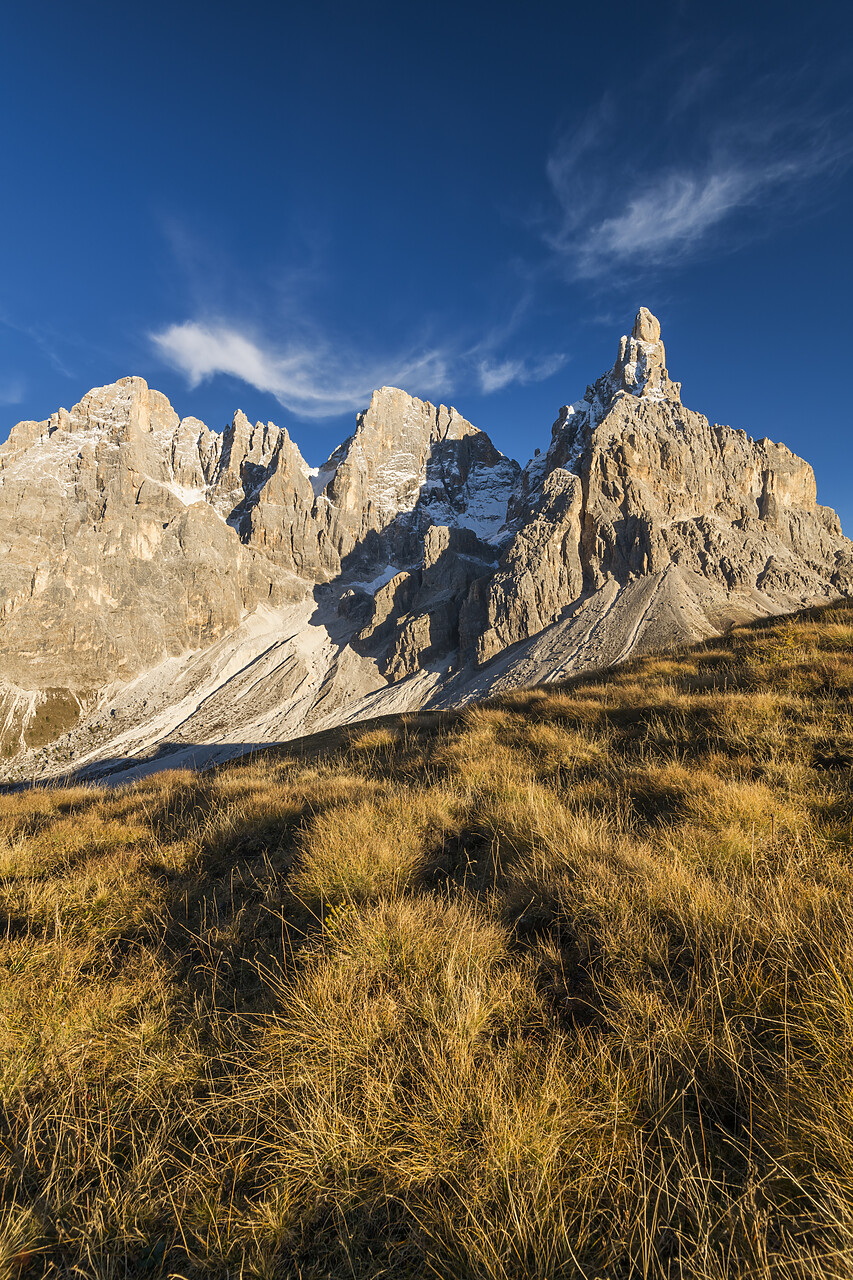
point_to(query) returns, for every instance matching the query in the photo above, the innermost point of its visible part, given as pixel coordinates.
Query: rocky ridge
(169, 588)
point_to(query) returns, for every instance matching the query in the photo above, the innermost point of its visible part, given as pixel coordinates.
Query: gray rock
(539, 575)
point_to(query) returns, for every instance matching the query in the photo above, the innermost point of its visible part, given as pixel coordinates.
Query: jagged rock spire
(640, 367)
(646, 326)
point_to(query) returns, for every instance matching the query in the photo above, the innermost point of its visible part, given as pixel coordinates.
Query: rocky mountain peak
(640, 367)
(639, 371)
(646, 326)
(158, 578)
(410, 458)
(394, 417)
(389, 451)
(126, 409)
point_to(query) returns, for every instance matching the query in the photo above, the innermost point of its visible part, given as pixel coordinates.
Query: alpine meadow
(558, 985)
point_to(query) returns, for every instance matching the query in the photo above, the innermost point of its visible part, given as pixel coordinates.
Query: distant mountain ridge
(164, 587)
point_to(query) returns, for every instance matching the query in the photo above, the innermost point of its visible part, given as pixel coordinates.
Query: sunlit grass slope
(558, 986)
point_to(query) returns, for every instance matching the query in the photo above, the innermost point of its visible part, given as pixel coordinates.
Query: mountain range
(174, 595)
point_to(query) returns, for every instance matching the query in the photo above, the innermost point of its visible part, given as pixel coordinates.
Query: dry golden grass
(561, 986)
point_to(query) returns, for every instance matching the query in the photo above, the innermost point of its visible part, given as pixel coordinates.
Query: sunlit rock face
(734, 523)
(197, 583)
(410, 465)
(113, 554)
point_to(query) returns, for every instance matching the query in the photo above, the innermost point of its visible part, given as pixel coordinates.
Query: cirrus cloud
(495, 375)
(622, 211)
(311, 381)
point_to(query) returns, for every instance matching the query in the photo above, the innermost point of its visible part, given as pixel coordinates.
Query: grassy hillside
(560, 986)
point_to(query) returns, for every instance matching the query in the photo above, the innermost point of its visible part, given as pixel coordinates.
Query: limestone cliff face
(538, 575)
(410, 465)
(207, 583)
(129, 537)
(110, 559)
(659, 489)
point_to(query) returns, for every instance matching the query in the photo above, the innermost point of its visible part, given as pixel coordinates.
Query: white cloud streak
(495, 376)
(313, 381)
(310, 381)
(667, 219)
(612, 221)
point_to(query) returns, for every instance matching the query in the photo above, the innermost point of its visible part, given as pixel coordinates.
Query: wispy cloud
(670, 216)
(314, 380)
(267, 333)
(311, 380)
(496, 375)
(620, 210)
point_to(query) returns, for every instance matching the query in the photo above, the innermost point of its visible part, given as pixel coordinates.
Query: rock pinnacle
(646, 326)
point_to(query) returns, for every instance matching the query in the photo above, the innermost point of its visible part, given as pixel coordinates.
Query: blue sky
(278, 207)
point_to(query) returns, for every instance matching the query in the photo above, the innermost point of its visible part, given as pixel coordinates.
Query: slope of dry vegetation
(560, 986)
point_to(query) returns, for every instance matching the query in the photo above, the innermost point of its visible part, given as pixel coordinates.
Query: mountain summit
(166, 588)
